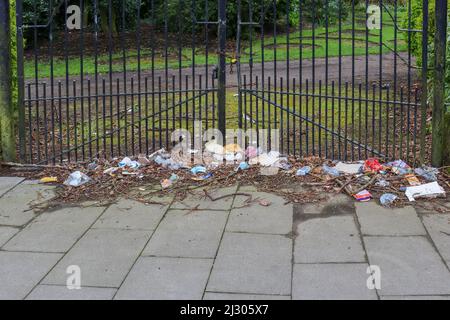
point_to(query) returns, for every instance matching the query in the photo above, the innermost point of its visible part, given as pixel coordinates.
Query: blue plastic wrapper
(198, 169)
(428, 173)
(387, 199)
(243, 166)
(330, 171)
(304, 171)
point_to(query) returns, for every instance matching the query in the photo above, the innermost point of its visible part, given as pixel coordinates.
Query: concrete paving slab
(409, 266)
(273, 219)
(154, 278)
(241, 296)
(334, 204)
(21, 271)
(49, 292)
(55, 231)
(133, 215)
(248, 188)
(7, 233)
(198, 200)
(104, 256)
(191, 235)
(7, 183)
(252, 263)
(438, 226)
(376, 220)
(15, 205)
(414, 297)
(331, 239)
(331, 281)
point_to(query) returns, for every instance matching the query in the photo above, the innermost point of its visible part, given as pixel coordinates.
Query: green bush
(187, 10)
(318, 11)
(416, 22)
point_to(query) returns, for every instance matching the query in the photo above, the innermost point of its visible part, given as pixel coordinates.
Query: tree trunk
(104, 21)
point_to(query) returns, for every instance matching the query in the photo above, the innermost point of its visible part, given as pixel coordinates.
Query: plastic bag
(304, 171)
(243, 166)
(77, 179)
(330, 171)
(198, 169)
(428, 173)
(387, 199)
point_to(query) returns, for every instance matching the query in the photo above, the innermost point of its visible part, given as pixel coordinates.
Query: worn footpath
(213, 246)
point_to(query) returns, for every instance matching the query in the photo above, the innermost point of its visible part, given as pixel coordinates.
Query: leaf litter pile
(297, 180)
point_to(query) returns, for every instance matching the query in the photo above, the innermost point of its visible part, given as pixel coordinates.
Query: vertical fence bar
(440, 41)
(221, 95)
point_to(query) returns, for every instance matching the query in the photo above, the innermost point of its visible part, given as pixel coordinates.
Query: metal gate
(340, 79)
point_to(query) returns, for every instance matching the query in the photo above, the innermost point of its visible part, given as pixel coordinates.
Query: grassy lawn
(302, 44)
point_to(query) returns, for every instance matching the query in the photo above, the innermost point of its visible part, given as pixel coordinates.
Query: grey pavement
(231, 248)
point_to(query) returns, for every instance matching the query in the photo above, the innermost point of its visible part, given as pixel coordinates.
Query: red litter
(372, 165)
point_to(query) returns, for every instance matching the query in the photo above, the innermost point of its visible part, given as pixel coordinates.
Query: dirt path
(357, 71)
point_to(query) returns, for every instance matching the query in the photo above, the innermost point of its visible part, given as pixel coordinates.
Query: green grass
(261, 50)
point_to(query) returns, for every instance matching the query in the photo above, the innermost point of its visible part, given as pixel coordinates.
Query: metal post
(424, 98)
(7, 137)
(222, 66)
(440, 41)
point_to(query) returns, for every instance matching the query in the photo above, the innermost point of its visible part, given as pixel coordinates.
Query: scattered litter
(166, 183)
(330, 171)
(283, 164)
(363, 196)
(143, 161)
(232, 148)
(382, 183)
(266, 159)
(110, 171)
(387, 199)
(214, 148)
(398, 163)
(243, 166)
(231, 156)
(92, 166)
(348, 168)
(428, 173)
(264, 203)
(303, 171)
(77, 179)
(202, 178)
(127, 162)
(432, 190)
(198, 169)
(372, 165)
(399, 167)
(49, 179)
(251, 152)
(412, 179)
(167, 163)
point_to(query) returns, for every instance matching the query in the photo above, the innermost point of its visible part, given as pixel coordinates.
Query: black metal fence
(341, 79)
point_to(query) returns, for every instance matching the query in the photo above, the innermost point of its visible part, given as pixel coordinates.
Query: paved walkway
(224, 250)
